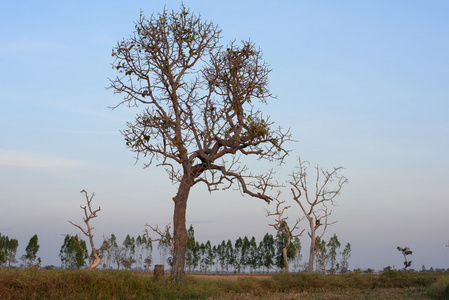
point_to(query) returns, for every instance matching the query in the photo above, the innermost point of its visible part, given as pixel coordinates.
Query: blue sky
(363, 85)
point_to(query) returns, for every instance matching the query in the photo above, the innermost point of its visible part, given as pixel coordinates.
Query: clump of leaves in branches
(406, 251)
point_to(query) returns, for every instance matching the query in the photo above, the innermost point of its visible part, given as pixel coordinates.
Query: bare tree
(165, 236)
(199, 114)
(281, 225)
(89, 214)
(316, 206)
(118, 254)
(165, 240)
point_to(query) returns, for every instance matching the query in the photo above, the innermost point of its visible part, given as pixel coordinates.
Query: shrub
(440, 288)
(401, 279)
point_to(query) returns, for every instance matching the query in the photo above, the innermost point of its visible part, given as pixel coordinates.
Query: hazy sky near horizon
(361, 84)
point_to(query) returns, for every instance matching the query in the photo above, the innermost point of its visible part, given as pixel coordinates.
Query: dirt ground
(228, 276)
(392, 293)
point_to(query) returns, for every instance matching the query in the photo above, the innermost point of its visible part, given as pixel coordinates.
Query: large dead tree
(282, 226)
(199, 109)
(89, 214)
(315, 205)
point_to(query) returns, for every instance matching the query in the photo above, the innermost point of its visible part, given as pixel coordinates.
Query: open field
(49, 284)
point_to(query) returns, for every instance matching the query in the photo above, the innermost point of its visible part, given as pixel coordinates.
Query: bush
(440, 288)
(401, 279)
(304, 282)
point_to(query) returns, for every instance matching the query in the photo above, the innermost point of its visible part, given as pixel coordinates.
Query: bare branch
(165, 236)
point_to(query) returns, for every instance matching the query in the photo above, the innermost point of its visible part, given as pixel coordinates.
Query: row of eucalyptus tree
(244, 255)
(8, 252)
(327, 259)
(133, 253)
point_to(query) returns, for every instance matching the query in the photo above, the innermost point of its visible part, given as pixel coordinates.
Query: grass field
(50, 284)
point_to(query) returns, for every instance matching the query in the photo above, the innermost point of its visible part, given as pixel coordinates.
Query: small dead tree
(315, 206)
(89, 214)
(406, 251)
(165, 236)
(281, 225)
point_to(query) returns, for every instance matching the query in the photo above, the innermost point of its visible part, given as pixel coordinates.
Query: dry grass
(44, 284)
(440, 288)
(409, 293)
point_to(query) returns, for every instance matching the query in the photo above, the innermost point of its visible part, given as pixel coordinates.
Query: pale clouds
(26, 45)
(34, 160)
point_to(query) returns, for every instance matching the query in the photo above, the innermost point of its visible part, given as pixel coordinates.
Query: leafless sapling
(316, 205)
(165, 236)
(89, 214)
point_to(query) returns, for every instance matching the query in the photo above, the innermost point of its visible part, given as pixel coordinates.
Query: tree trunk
(179, 231)
(323, 258)
(312, 248)
(284, 251)
(158, 271)
(96, 262)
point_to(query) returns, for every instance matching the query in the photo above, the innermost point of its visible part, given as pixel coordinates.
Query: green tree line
(8, 252)
(244, 255)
